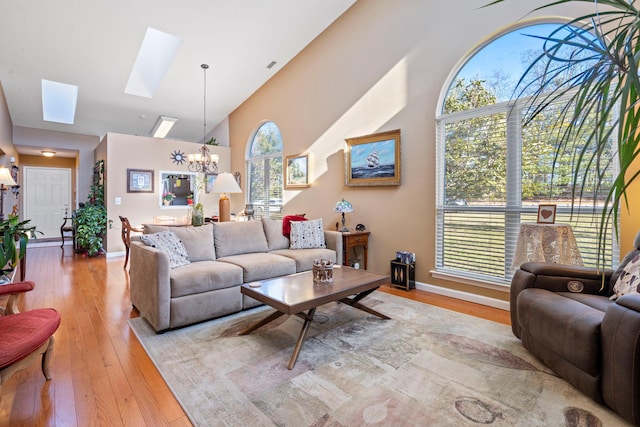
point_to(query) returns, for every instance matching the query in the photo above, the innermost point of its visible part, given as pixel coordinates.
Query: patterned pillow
(629, 280)
(169, 243)
(307, 234)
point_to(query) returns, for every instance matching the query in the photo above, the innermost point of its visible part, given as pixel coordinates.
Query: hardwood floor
(101, 374)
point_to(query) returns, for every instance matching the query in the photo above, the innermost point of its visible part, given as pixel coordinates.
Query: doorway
(47, 194)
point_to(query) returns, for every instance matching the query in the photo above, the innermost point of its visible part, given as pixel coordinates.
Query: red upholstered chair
(25, 336)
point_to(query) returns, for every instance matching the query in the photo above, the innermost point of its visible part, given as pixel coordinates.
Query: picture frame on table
(296, 171)
(546, 214)
(209, 179)
(139, 181)
(372, 160)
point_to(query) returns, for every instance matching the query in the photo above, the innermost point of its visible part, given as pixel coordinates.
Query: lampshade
(225, 183)
(5, 177)
(343, 206)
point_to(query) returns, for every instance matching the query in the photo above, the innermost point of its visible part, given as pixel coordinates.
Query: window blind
(491, 175)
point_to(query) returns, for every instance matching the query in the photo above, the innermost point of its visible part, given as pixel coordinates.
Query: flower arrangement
(168, 196)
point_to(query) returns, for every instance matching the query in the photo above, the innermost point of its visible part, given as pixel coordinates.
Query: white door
(47, 193)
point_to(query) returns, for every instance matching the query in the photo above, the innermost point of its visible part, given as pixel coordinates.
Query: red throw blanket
(286, 223)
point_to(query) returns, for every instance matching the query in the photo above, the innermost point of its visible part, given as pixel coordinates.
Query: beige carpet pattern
(425, 367)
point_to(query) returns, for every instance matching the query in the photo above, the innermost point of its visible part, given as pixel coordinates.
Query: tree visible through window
(493, 171)
(264, 171)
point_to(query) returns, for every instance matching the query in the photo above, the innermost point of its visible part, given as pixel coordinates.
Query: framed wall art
(297, 171)
(372, 159)
(139, 181)
(546, 214)
(209, 179)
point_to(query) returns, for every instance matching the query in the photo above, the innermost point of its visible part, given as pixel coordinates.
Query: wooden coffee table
(297, 294)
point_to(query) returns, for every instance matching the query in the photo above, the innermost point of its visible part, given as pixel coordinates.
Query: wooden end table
(352, 239)
(297, 294)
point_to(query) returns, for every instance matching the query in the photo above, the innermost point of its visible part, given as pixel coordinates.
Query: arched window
(264, 172)
(493, 172)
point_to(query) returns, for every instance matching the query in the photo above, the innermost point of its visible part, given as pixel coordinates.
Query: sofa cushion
(273, 231)
(233, 238)
(198, 241)
(169, 243)
(307, 234)
(304, 257)
(204, 276)
(260, 266)
(562, 326)
(629, 280)
(598, 302)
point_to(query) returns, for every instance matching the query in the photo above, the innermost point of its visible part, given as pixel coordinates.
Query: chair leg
(126, 256)
(46, 359)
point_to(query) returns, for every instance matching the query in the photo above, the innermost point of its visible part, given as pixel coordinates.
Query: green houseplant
(91, 217)
(591, 64)
(12, 232)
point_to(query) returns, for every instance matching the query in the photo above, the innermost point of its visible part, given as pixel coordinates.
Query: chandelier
(204, 161)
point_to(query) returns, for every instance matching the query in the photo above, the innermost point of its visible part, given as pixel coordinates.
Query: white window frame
(513, 209)
(264, 208)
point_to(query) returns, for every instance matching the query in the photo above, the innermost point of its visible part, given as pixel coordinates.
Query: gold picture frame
(296, 173)
(372, 160)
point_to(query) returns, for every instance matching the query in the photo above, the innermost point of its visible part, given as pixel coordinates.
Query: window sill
(470, 281)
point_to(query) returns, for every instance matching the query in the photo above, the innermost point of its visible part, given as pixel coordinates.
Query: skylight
(59, 102)
(156, 54)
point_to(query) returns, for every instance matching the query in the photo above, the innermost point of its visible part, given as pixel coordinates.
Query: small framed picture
(297, 171)
(139, 181)
(209, 179)
(546, 214)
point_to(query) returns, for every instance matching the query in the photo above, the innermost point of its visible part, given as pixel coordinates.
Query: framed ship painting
(372, 159)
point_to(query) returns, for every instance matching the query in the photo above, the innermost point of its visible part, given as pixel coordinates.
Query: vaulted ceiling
(94, 45)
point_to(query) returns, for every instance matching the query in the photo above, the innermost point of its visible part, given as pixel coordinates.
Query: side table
(352, 239)
(403, 275)
(546, 243)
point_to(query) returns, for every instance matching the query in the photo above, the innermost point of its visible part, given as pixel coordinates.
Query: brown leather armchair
(564, 317)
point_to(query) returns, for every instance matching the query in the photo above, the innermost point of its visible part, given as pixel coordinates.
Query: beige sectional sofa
(222, 257)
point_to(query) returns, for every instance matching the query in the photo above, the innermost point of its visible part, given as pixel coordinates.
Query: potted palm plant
(592, 65)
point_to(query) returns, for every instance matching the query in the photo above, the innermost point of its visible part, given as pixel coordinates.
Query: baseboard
(464, 296)
(115, 254)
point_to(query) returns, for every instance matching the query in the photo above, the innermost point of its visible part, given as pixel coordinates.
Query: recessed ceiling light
(163, 126)
(47, 153)
(59, 102)
(156, 54)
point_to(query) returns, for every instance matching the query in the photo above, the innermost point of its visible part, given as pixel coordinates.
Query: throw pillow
(169, 243)
(307, 234)
(629, 280)
(286, 223)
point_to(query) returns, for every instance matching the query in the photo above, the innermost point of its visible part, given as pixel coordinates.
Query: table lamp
(343, 207)
(225, 183)
(5, 179)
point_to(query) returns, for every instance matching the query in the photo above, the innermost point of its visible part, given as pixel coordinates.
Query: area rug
(426, 367)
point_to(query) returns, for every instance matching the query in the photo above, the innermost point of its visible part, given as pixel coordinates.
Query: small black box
(403, 275)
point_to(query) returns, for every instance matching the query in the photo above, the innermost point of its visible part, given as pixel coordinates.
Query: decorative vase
(198, 215)
(166, 202)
